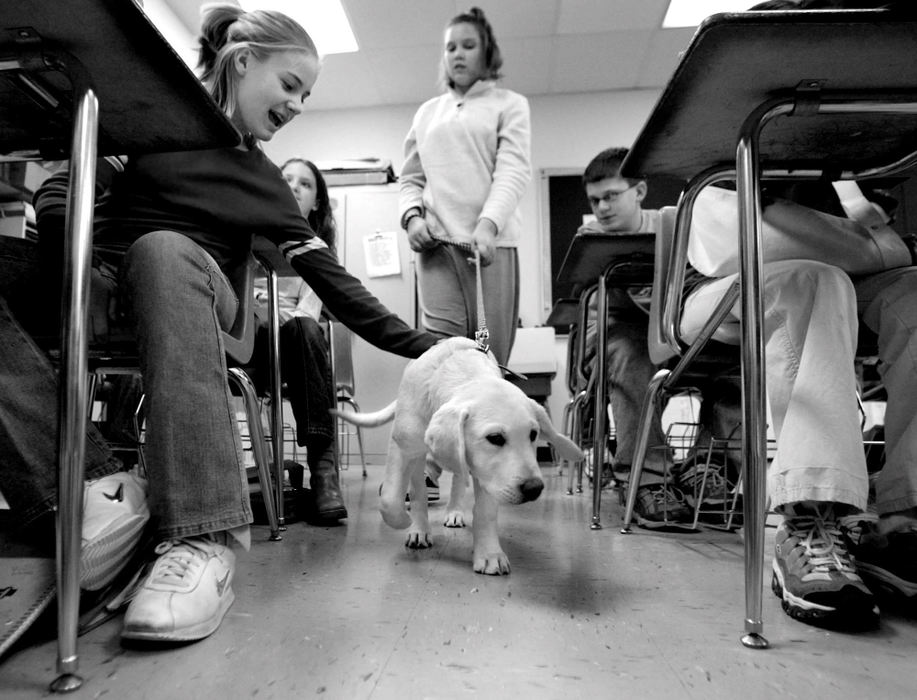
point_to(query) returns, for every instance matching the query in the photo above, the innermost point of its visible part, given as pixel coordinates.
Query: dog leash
(481, 335)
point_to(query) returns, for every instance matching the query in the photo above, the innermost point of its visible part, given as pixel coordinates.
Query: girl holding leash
(466, 166)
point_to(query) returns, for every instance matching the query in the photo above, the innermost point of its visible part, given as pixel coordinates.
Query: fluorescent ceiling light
(690, 13)
(325, 20)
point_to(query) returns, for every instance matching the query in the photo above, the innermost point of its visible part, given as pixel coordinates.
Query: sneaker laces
(820, 535)
(176, 559)
(716, 481)
(666, 495)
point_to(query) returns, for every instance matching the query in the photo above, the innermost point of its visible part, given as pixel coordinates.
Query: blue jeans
(28, 389)
(305, 369)
(180, 301)
(629, 371)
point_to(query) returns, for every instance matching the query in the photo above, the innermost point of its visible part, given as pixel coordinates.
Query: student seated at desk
(818, 479)
(616, 203)
(174, 223)
(304, 361)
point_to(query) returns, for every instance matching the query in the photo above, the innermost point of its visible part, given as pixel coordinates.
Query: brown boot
(326, 488)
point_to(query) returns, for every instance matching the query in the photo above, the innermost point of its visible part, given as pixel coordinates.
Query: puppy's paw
(418, 540)
(454, 518)
(491, 563)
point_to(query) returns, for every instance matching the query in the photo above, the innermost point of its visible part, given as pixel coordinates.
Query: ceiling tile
(346, 80)
(665, 48)
(549, 46)
(387, 23)
(527, 64)
(406, 75)
(588, 16)
(590, 62)
(515, 19)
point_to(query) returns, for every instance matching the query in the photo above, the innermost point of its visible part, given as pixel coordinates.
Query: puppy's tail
(368, 420)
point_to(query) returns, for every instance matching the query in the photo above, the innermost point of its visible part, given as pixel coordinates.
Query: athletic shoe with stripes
(814, 573)
(115, 513)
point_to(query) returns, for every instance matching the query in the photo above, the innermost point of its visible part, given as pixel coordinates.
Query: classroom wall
(567, 131)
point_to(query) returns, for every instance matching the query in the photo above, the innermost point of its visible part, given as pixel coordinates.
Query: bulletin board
(564, 204)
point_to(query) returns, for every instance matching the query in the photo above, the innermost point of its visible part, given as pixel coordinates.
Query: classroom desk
(81, 79)
(798, 95)
(610, 261)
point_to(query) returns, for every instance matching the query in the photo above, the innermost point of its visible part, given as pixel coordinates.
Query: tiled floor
(348, 612)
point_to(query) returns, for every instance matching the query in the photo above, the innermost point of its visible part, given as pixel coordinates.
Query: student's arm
(513, 169)
(50, 202)
(412, 179)
(351, 303)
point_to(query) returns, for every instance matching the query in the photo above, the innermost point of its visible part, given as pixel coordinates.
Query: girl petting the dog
(175, 224)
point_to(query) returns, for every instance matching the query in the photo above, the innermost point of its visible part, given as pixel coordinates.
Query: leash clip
(481, 336)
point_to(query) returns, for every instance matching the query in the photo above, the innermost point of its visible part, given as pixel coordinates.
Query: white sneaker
(185, 595)
(114, 515)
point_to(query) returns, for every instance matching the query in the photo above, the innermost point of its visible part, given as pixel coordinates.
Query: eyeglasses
(611, 196)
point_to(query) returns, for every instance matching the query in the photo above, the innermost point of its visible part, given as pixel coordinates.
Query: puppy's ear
(565, 447)
(445, 436)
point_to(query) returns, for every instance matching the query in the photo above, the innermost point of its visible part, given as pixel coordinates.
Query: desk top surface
(149, 100)
(590, 254)
(563, 313)
(736, 62)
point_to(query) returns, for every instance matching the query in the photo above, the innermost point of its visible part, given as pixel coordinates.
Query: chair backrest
(239, 341)
(660, 349)
(340, 341)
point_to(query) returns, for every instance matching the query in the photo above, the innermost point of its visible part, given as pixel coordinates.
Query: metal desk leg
(754, 444)
(74, 384)
(599, 423)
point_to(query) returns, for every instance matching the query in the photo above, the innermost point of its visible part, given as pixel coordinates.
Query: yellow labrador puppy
(454, 407)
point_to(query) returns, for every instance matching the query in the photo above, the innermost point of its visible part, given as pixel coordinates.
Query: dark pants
(305, 368)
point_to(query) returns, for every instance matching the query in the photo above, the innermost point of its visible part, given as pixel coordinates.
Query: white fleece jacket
(467, 157)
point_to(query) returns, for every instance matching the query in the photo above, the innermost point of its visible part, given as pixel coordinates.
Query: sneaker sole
(189, 634)
(813, 613)
(105, 556)
(663, 524)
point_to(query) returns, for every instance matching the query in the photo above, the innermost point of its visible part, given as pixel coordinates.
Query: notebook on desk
(591, 253)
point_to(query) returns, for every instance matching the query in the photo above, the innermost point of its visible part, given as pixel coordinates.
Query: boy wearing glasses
(616, 203)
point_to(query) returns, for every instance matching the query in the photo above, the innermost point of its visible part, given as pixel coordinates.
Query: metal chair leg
(576, 434)
(259, 449)
(643, 438)
(343, 398)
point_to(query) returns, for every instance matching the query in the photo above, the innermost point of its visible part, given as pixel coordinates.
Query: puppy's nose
(531, 489)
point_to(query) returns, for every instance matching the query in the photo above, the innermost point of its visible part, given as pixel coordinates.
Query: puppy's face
(500, 451)
(490, 430)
